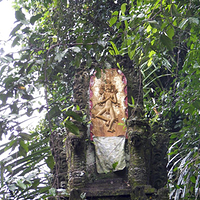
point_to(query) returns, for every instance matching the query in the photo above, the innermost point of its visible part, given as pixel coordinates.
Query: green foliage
(21, 174)
(162, 39)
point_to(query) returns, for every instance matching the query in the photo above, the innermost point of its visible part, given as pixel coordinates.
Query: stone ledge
(107, 187)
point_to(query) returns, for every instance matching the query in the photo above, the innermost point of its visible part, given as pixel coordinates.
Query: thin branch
(151, 18)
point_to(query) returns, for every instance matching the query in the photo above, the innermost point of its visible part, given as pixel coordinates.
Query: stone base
(116, 189)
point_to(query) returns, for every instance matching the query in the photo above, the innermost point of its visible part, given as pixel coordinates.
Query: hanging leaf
(123, 8)
(72, 127)
(114, 165)
(13, 32)
(35, 18)
(21, 184)
(55, 111)
(193, 179)
(112, 21)
(98, 72)
(50, 162)
(22, 151)
(74, 115)
(167, 41)
(15, 41)
(19, 15)
(24, 145)
(170, 32)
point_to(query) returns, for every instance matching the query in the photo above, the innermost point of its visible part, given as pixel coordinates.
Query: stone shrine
(112, 158)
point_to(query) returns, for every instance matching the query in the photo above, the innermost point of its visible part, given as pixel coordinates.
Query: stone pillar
(140, 154)
(60, 171)
(75, 144)
(138, 132)
(76, 158)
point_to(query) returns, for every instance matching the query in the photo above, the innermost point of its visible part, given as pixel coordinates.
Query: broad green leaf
(193, 179)
(19, 15)
(173, 136)
(44, 189)
(26, 30)
(9, 168)
(11, 144)
(35, 18)
(123, 8)
(25, 136)
(114, 165)
(24, 145)
(12, 187)
(170, 32)
(13, 32)
(2, 69)
(72, 127)
(55, 111)
(15, 41)
(60, 55)
(98, 72)
(22, 151)
(175, 11)
(29, 67)
(151, 53)
(3, 98)
(115, 13)
(77, 107)
(50, 162)
(21, 184)
(112, 21)
(167, 41)
(74, 115)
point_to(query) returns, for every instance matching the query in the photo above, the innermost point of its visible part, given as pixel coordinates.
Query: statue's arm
(114, 100)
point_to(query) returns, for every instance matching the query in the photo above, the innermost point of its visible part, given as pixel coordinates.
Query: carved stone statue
(108, 98)
(108, 104)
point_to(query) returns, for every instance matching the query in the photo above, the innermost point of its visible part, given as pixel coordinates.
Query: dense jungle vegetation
(54, 36)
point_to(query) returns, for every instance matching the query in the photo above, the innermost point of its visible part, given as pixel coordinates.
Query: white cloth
(110, 154)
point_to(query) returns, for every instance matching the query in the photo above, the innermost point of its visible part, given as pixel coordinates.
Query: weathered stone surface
(158, 177)
(60, 170)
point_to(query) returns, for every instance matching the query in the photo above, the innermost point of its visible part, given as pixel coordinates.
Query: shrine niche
(112, 158)
(108, 104)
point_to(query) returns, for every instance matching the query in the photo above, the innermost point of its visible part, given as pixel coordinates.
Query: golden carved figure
(108, 98)
(108, 104)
